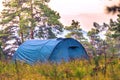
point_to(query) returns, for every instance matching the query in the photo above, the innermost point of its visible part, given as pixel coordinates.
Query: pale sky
(79, 6)
(76, 6)
(1, 7)
(85, 11)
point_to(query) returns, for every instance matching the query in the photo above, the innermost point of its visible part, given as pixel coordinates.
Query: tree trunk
(31, 31)
(21, 35)
(31, 34)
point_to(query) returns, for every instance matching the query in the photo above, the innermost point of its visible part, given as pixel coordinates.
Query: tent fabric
(54, 50)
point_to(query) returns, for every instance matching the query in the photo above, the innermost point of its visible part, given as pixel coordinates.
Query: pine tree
(24, 16)
(114, 29)
(14, 15)
(27, 15)
(75, 31)
(114, 8)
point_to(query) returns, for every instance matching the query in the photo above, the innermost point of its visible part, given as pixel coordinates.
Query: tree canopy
(27, 19)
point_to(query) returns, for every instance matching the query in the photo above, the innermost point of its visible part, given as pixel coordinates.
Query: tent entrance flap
(74, 52)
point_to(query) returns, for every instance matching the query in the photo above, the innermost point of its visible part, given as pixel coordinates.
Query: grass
(74, 70)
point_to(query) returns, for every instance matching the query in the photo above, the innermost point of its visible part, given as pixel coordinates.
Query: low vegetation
(73, 70)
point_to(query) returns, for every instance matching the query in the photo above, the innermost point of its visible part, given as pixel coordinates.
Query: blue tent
(55, 50)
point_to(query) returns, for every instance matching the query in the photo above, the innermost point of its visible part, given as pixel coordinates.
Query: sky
(80, 6)
(77, 6)
(1, 6)
(84, 11)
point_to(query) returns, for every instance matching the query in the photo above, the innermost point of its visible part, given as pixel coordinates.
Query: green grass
(74, 70)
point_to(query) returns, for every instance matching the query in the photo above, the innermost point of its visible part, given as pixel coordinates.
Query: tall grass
(74, 70)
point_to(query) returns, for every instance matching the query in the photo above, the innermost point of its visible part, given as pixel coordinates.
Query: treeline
(34, 19)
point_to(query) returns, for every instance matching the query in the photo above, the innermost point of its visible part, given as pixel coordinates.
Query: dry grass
(74, 70)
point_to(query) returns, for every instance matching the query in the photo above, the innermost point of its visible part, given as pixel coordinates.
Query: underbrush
(73, 70)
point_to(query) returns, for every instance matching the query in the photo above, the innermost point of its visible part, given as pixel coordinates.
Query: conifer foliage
(28, 19)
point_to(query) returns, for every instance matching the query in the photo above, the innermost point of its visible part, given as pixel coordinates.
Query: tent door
(74, 52)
